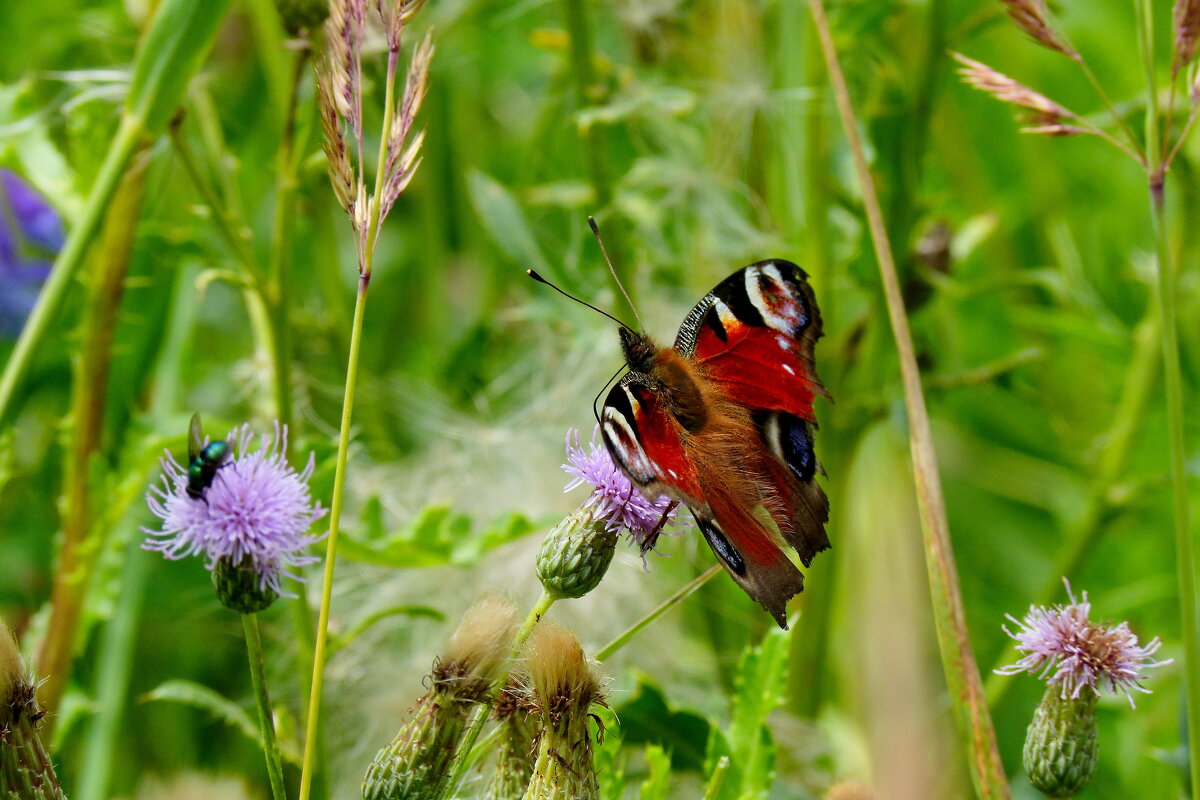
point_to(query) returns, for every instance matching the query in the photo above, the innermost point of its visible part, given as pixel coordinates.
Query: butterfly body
(723, 421)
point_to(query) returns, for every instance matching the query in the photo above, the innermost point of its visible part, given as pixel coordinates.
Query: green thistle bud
(563, 689)
(240, 587)
(300, 15)
(25, 768)
(515, 755)
(575, 555)
(416, 764)
(1061, 744)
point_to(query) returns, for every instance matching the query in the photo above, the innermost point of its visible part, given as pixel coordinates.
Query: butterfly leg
(651, 540)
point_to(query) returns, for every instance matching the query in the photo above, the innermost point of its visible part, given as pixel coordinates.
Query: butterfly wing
(747, 474)
(753, 337)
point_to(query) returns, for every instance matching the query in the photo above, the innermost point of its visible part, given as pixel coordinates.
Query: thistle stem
(1173, 386)
(266, 719)
(682, 593)
(958, 660)
(335, 516)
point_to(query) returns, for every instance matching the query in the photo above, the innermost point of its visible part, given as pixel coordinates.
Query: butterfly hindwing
(741, 456)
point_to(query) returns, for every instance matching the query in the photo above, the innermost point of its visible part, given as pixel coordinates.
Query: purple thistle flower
(614, 497)
(1073, 652)
(258, 508)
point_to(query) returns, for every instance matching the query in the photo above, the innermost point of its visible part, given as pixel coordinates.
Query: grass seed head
(1045, 117)
(1031, 17)
(1187, 33)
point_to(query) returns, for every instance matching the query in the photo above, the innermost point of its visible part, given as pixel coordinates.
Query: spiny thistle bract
(417, 762)
(252, 523)
(26, 772)
(1077, 658)
(515, 752)
(562, 690)
(576, 555)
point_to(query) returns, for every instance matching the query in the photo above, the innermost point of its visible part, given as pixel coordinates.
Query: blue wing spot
(795, 442)
(722, 547)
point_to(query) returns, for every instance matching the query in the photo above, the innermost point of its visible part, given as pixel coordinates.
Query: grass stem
(958, 660)
(604, 653)
(335, 516)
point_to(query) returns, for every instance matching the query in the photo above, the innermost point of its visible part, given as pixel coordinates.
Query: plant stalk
(958, 660)
(81, 539)
(681, 594)
(266, 719)
(1185, 563)
(70, 259)
(335, 516)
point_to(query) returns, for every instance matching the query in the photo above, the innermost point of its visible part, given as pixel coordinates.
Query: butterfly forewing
(748, 470)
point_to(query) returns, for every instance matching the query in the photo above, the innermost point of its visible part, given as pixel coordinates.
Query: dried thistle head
(563, 688)
(481, 642)
(1045, 117)
(1031, 17)
(1187, 33)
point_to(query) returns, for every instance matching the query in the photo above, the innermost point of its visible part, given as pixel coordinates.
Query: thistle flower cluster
(252, 524)
(339, 93)
(576, 555)
(562, 691)
(1072, 653)
(1077, 658)
(416, 764)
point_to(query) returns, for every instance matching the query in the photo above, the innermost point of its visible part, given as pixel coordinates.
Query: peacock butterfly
(723, 422)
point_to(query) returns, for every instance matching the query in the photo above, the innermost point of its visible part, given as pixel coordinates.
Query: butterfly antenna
(607, 383)
(612, 269)
(540, 279)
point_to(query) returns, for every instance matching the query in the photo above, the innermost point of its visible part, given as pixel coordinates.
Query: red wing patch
(754, 336)
(646, 442)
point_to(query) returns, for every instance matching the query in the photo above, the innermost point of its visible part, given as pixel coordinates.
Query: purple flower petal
(614, 496)
(258, 507)
(36, 220)
(1064, 648)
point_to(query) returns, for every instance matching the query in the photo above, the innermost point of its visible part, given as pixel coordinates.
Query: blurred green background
(708, 141)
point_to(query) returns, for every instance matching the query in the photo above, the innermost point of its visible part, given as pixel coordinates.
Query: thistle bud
(1061, 745)
(576, 555)
(240, 587)
(562, 690)
(25, 768)
(417, 762)
(1078, 658)
(515, 754)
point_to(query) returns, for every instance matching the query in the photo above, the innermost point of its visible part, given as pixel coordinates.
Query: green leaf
(169, 55)
(435, 537)
(648, 719)
(658, 782)
(502, 216)
(759, 689)
(363, 625)
(198, 696)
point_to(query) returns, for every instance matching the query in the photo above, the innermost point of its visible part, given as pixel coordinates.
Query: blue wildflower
(31, 233)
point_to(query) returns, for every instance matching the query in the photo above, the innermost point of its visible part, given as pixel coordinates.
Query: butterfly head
(638, 349)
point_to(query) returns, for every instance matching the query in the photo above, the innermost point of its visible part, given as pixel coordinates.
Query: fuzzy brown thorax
(672, 377)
